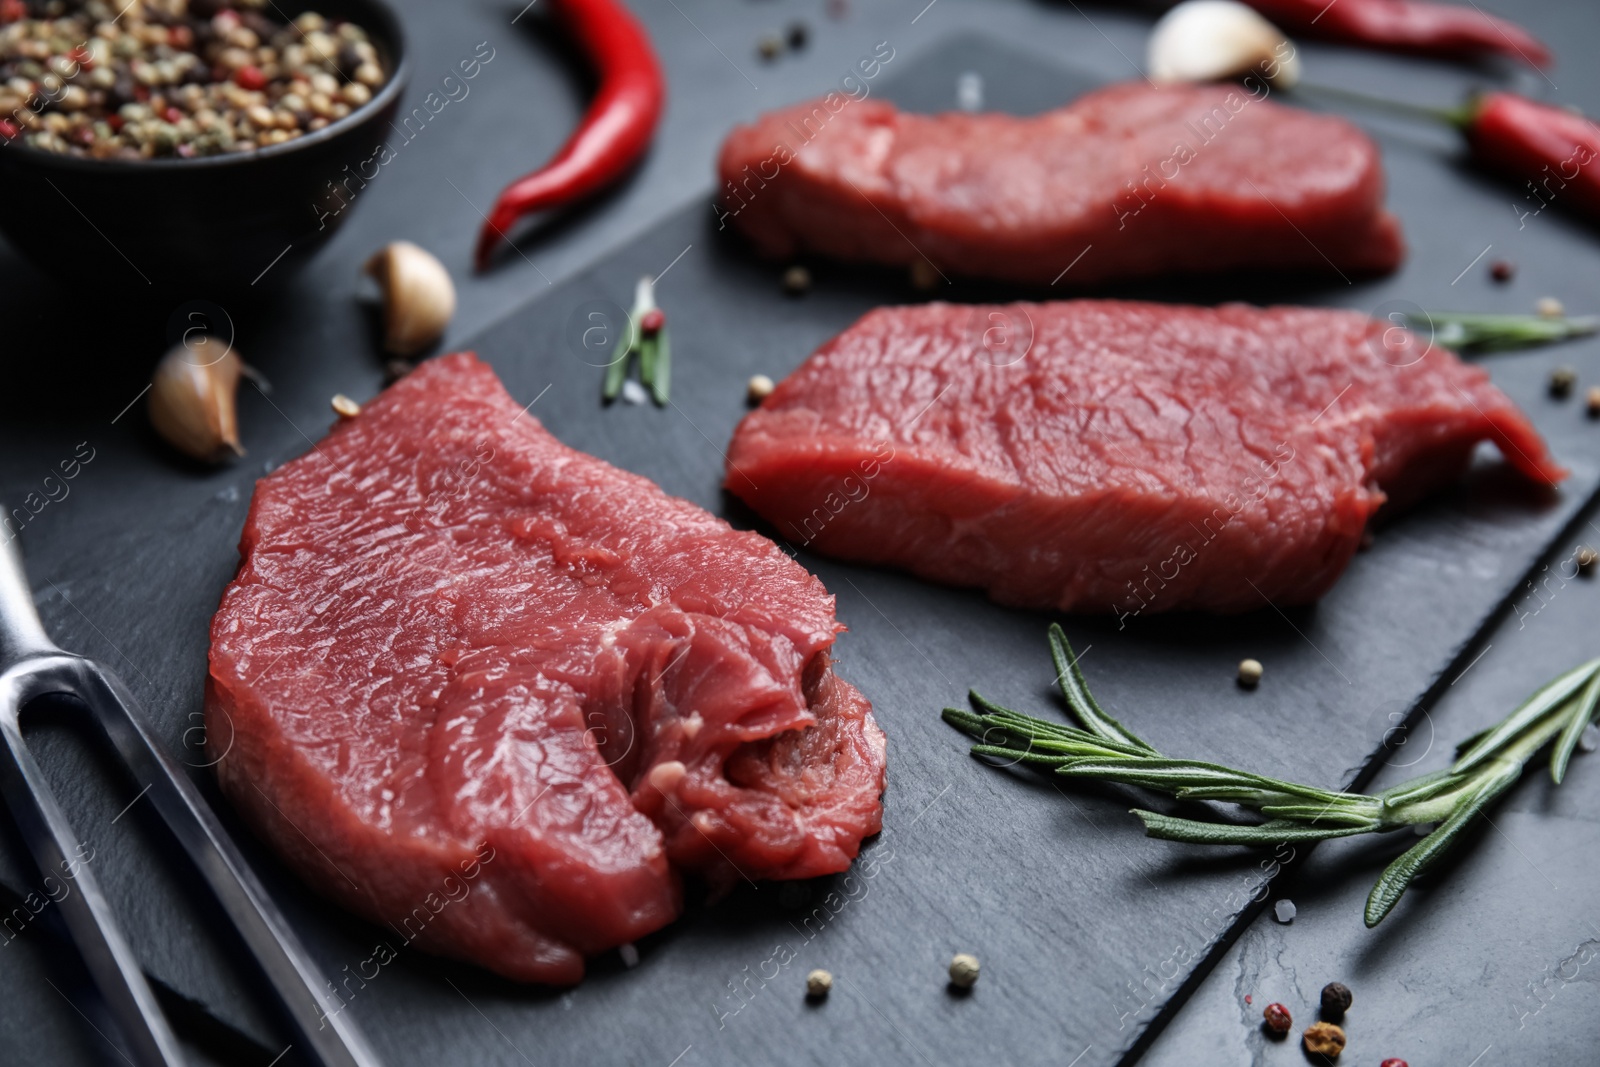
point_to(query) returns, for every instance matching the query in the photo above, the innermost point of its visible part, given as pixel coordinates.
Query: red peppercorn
(1501, 271)
(1394, 1063)
(652, 321)
(141, 93)
(8, 129)
(1277, 1019)
(248, 77)
(172, 114)
(13, 10)
(180, 37)
(115, 122)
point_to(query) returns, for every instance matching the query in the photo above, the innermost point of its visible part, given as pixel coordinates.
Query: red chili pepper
(615, 131)
(1408, 26)
(1556, 151)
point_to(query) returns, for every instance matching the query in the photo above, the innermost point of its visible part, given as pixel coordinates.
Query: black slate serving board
(1087, 930)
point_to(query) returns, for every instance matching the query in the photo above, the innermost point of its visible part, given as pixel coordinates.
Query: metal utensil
(30, 667)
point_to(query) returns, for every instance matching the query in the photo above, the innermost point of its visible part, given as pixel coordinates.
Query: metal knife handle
(323, 1033)
(21, 634)
(89, 918)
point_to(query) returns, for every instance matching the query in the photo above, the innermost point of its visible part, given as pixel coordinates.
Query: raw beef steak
(494, 692)
(1120, 457)
(1130, 181)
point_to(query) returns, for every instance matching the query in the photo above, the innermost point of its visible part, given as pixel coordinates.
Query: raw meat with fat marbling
(1129, 181)
(464, 665)
(1111, 456)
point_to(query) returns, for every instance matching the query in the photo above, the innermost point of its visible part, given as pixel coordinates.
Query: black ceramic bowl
(207, 224)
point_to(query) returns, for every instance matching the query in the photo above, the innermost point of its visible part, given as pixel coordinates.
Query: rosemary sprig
(1099, 747)
(1463, 329)
(646, 339)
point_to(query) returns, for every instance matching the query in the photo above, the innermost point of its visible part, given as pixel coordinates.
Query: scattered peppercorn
(1501, 270)
(818, 983)
(1550, 307)
(770, 47)
(1250, 671)
(924, 275)
(797, 35)
(132, 81)
(760, 388)
(1323, 1039)
(344, 407)
(1336, 1000)
(1586, 559)
(963, 970)
(1276, 1018)
(1394, 1062)
(1591, 400)
(1562, 379)
(1285, 911)
(796, 280)
(651, 321)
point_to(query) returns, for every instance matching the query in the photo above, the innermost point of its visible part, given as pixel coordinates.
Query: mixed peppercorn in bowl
(110, 79)
(187, 144)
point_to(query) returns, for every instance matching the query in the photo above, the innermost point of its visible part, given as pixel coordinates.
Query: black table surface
(1489, 962)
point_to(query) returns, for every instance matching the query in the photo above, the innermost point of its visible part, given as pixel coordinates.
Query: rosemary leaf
(1018, 755)
(1253, 798)
(1176, 773)
(617, 369)
(1426, 787)
(1490, 331)
(1076, 692)
(661, 381)
(1323, 814)
(1578, 720)
(1193, 832)
(1415, 861)
(1549, 696)
(649, 348)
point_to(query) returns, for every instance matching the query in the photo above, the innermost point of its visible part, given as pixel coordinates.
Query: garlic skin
(1213, 40)
(418, 296)
(192, 399)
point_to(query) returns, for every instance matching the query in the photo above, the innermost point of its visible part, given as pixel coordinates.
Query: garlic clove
(418, 296)
(1213, 40)
(192, 399)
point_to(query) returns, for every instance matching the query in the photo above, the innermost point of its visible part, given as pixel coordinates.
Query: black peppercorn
(1336, 1000)
(797, 35)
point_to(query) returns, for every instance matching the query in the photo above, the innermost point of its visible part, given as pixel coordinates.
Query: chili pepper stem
(1458, 117)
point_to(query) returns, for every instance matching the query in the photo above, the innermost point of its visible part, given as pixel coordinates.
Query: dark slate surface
(1086, 929)
(1491, 962)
